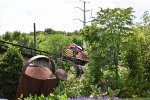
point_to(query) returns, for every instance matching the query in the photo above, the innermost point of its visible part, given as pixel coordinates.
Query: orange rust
(37, 80)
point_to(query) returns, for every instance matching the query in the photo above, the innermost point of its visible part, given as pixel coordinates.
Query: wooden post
(34, 37)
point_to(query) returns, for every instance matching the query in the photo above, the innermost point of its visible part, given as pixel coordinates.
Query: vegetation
(118, 49)
(10, 67)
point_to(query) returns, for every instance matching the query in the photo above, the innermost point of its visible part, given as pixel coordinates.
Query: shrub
(49, 97)
(10, 67)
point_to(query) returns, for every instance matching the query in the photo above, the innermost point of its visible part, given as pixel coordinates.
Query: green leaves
(96, 92)
(49, 97)
(105, 36)
(53, 43)
(10, 67)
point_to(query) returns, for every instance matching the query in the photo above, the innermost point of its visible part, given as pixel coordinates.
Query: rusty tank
(37, 80)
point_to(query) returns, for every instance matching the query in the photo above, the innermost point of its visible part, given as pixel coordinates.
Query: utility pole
(84, 17)
(84, 14)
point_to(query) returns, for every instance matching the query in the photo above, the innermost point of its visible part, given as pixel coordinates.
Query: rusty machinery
(75, 54)
(37, 80)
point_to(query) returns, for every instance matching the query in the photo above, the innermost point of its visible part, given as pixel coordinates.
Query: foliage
(50, 40)
(104, 39)
(49, 97)
(145, 45)
(53, 43)
(51, 31)
(7, 36)
(136, 83)
(18, 38)
(118, 52)
(133, 63)
(77, 39)
(10, 67)
(87, 81)
(115, 46)
(97, 92)
(71, 87)
(134, 87)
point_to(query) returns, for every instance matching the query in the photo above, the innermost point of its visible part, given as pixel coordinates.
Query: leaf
(109, 89)
(116, 92)
(93, 87)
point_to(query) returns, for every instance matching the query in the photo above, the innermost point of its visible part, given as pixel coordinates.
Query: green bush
(133, 87)
(49, 97)
(10, 67)
(71, 87)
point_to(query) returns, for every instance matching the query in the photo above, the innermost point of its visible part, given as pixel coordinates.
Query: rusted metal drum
(37, 80)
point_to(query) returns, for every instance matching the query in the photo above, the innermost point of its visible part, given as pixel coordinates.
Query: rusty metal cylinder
(37, 80)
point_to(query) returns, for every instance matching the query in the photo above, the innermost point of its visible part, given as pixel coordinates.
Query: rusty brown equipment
(37, 80)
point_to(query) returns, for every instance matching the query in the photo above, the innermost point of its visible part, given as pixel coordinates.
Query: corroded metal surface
(38, 80)
(61, 74)
(75, 54)
(39, 72)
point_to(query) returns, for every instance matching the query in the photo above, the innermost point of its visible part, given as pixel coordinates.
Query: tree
(105, 36)
(54, 43)
(7, 36)
(146, 43)
(49, 31)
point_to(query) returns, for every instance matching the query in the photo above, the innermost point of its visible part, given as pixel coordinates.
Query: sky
(57, 14)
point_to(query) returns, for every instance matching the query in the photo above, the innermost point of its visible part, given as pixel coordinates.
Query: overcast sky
(56, 14)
